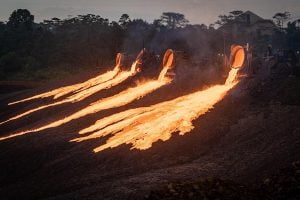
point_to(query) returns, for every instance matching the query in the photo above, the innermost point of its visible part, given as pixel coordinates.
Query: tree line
(90, 41)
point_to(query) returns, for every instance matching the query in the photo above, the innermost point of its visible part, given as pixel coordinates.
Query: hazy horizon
(196, 11)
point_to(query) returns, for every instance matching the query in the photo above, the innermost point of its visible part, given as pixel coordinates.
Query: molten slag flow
(141, 127)
(59, 92)
(117, 100)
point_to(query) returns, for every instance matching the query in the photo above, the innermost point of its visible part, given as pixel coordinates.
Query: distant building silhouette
(250, 24)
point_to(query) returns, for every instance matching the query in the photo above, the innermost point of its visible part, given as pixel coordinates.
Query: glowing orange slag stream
(87, 89)
(141, 127)
(168, 63)
(117, 100)
(81, 95)
(59, 92)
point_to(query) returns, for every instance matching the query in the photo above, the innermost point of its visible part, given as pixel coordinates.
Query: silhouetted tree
(293, 35)
(124, 20)
(281, 18)
(18, 35)
(173, 20)
(91, 40)
(21, 19)
(297, 23)
(2, 28)
(291, 27)
(224, 19)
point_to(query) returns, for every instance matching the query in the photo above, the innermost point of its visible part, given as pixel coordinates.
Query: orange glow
(56, 93)
(119, 61)
(32, 111)
(133, 68)
(81, 95)
(84, 90)
(237, 56)
(78, 97)
(168, 60)
(168, 63)
(117, 100)
(232, 76)
(237, 59)
(141, 127)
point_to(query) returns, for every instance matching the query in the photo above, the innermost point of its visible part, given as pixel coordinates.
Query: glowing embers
(237, 56)
(232, 76)
(117, 100)
(168, 63)
(119, 61)
(56, 93)
(83, 90)
(237, 59)
(80, 95)
(141, 127)
(76, 88)
(120, 99)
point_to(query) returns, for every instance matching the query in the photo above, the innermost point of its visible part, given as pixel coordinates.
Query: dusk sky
(196, 11)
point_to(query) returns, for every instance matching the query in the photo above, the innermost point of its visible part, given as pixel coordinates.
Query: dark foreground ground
(248, 137)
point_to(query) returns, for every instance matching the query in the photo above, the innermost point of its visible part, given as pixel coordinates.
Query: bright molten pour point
(237, 57)
(141, 127)
(168, 63)
(232, 76)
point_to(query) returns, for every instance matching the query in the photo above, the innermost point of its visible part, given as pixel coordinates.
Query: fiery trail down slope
(83, 91)
(231, 76)
(59, 92)
(118, 100)
(79, 96)
(143, 126)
